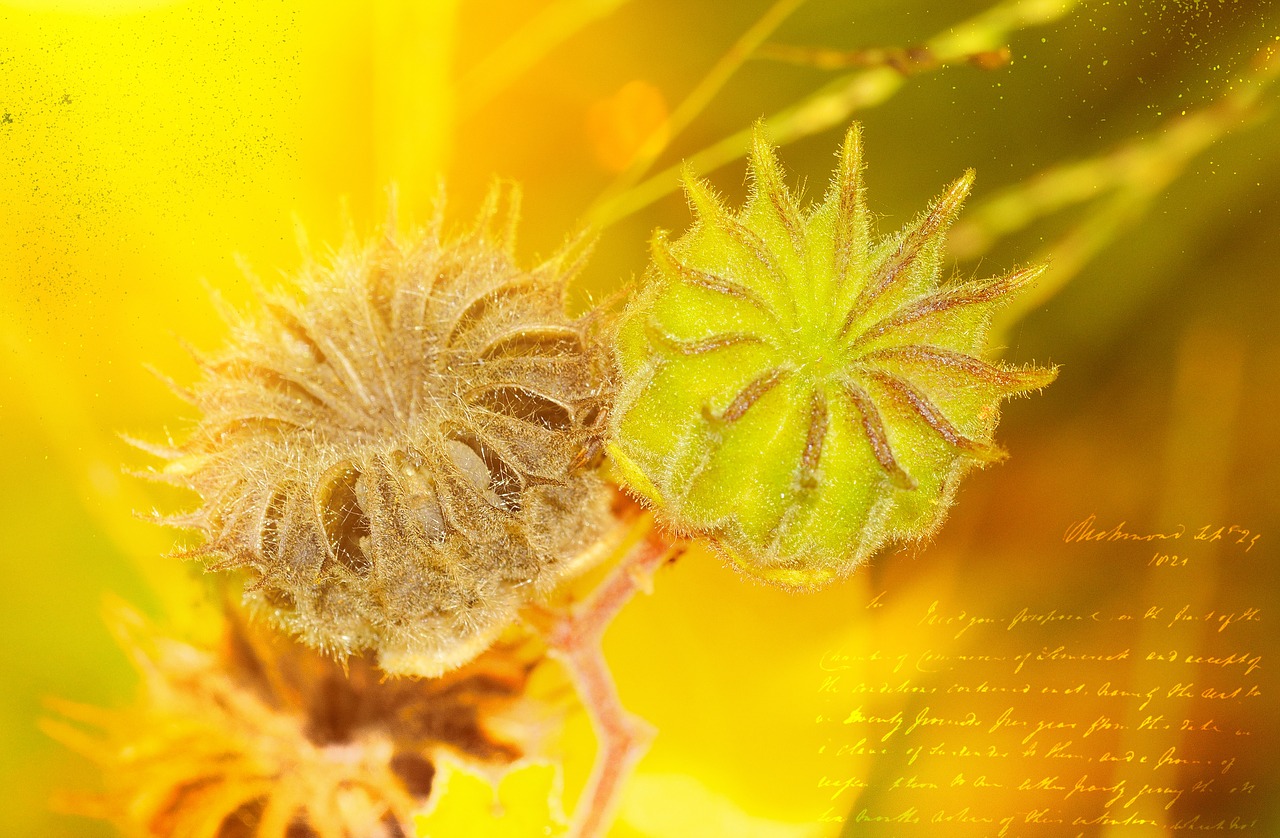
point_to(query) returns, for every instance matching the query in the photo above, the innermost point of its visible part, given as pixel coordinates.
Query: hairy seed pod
(801, 392)
(403, 454)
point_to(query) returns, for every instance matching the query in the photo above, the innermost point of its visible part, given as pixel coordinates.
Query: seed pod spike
(563, 267)
(391, 224)
(847, 195)
(439, 201)
(911, 265)
(167, 452)
(514, 196)
(771, 200)
(702, 199)
(172, 386)
(303, 241)
(483, 226)
(250, 275)
(226, 312)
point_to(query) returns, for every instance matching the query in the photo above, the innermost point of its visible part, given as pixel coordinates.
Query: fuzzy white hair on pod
(399, 450)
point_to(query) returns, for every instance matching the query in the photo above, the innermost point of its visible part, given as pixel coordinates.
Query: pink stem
(576, 639)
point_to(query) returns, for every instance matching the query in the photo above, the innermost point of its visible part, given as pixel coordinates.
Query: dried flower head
(801, 392)
(264, 737)
(402, 456)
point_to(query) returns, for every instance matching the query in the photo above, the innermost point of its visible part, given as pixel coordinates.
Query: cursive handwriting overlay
(1057, 711)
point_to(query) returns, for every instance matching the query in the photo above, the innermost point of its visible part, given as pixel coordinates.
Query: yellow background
(144, 146)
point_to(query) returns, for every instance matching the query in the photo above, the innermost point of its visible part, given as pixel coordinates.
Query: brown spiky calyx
(264, 737)
(401, 456)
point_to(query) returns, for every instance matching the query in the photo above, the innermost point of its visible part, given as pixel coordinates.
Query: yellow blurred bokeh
(147, 149)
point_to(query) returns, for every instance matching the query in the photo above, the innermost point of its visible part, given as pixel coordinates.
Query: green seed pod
(801, 392)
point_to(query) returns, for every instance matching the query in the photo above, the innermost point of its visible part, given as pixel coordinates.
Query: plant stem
(575, 638)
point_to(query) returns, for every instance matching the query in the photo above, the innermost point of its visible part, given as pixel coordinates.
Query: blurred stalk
(698, 98)
(906, 60)
(1124, 180)
(833, 104)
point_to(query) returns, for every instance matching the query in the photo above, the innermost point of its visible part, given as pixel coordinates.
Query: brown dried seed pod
(261, 736)
(400, 456)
